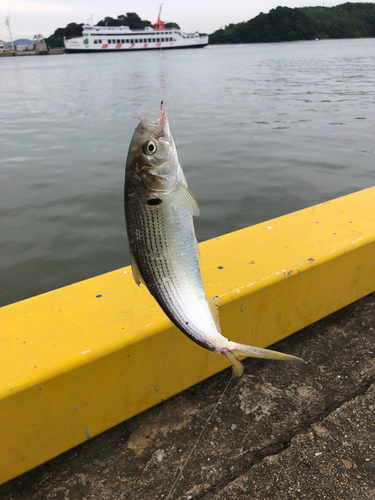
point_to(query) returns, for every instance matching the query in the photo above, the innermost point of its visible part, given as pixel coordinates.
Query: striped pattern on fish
(159, 212)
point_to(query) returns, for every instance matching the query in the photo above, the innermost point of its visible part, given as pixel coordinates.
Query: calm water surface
(262, 130)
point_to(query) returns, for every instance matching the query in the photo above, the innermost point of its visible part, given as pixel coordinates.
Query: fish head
(152, 158)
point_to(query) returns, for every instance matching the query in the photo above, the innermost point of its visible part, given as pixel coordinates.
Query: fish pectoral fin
(197, 246)
(135, 269)
(185, 199)
(214, 307)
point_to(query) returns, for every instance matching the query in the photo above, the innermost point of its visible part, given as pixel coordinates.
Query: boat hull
(81, 50)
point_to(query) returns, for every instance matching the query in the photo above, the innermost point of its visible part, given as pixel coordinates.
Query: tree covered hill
(283, 24)
(73, 30)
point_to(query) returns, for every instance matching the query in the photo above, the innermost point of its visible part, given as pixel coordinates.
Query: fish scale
(153, 246)
(159, 211)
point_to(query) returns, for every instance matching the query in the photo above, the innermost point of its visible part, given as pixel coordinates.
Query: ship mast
(7, 22)
(159, 25)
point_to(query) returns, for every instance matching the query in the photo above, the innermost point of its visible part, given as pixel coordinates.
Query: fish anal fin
(185, 199)
(135, 269)
(214, 308)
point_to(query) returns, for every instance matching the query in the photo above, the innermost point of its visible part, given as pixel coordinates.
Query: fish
(164, 252)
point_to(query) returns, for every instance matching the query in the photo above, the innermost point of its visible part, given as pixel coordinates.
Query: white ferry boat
(122, 38)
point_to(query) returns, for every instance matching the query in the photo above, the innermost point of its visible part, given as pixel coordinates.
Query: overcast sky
(31, 17)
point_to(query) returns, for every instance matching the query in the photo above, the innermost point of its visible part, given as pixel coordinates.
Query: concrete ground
(282, 431)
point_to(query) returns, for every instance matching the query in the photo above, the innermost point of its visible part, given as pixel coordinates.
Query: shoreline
(17, 53)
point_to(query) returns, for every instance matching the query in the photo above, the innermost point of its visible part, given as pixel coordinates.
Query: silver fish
(159, 212)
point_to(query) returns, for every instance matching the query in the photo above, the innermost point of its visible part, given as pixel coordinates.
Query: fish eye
(149, 147)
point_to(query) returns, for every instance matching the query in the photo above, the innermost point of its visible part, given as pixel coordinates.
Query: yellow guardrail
(81, 359)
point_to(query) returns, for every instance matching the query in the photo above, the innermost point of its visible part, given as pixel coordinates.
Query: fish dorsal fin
(135, 269)
(214, 307)
(185, 199)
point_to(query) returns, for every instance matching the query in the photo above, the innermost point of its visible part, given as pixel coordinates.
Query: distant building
(2, 46)
(40, 44)
(23, 47)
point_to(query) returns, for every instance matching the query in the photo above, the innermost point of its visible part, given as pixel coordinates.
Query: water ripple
(262, 130)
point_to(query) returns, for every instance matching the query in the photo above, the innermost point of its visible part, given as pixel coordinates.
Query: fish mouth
(163, 125)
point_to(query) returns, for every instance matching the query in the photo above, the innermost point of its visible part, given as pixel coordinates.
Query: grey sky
(31, 17)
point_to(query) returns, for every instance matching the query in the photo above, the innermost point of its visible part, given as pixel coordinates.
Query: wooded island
(283, 24)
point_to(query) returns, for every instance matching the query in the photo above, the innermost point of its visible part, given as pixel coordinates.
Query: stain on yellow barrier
(83, 358)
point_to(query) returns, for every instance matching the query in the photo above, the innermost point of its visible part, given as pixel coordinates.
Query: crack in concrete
(283, 443)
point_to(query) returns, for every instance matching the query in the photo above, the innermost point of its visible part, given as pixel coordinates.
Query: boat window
(149, 40)
(113, 41)
(122, 41)
(95, 41)
(158, 39)
(162, 39)
(132, 41)
(99, 41)
(118, 41)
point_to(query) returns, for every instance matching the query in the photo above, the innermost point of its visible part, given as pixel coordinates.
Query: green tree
(172, 26)
(347, 20)
(72, 30)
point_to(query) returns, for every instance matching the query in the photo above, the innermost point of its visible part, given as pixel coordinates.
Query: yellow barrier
(79, 360)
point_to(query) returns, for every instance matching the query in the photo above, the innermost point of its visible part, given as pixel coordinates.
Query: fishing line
(230, 380)
(196, 442)
(170, 104)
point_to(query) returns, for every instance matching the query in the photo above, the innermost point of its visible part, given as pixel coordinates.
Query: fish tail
(234, 351)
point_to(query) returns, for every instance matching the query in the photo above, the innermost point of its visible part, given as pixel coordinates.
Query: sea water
(262, 130)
